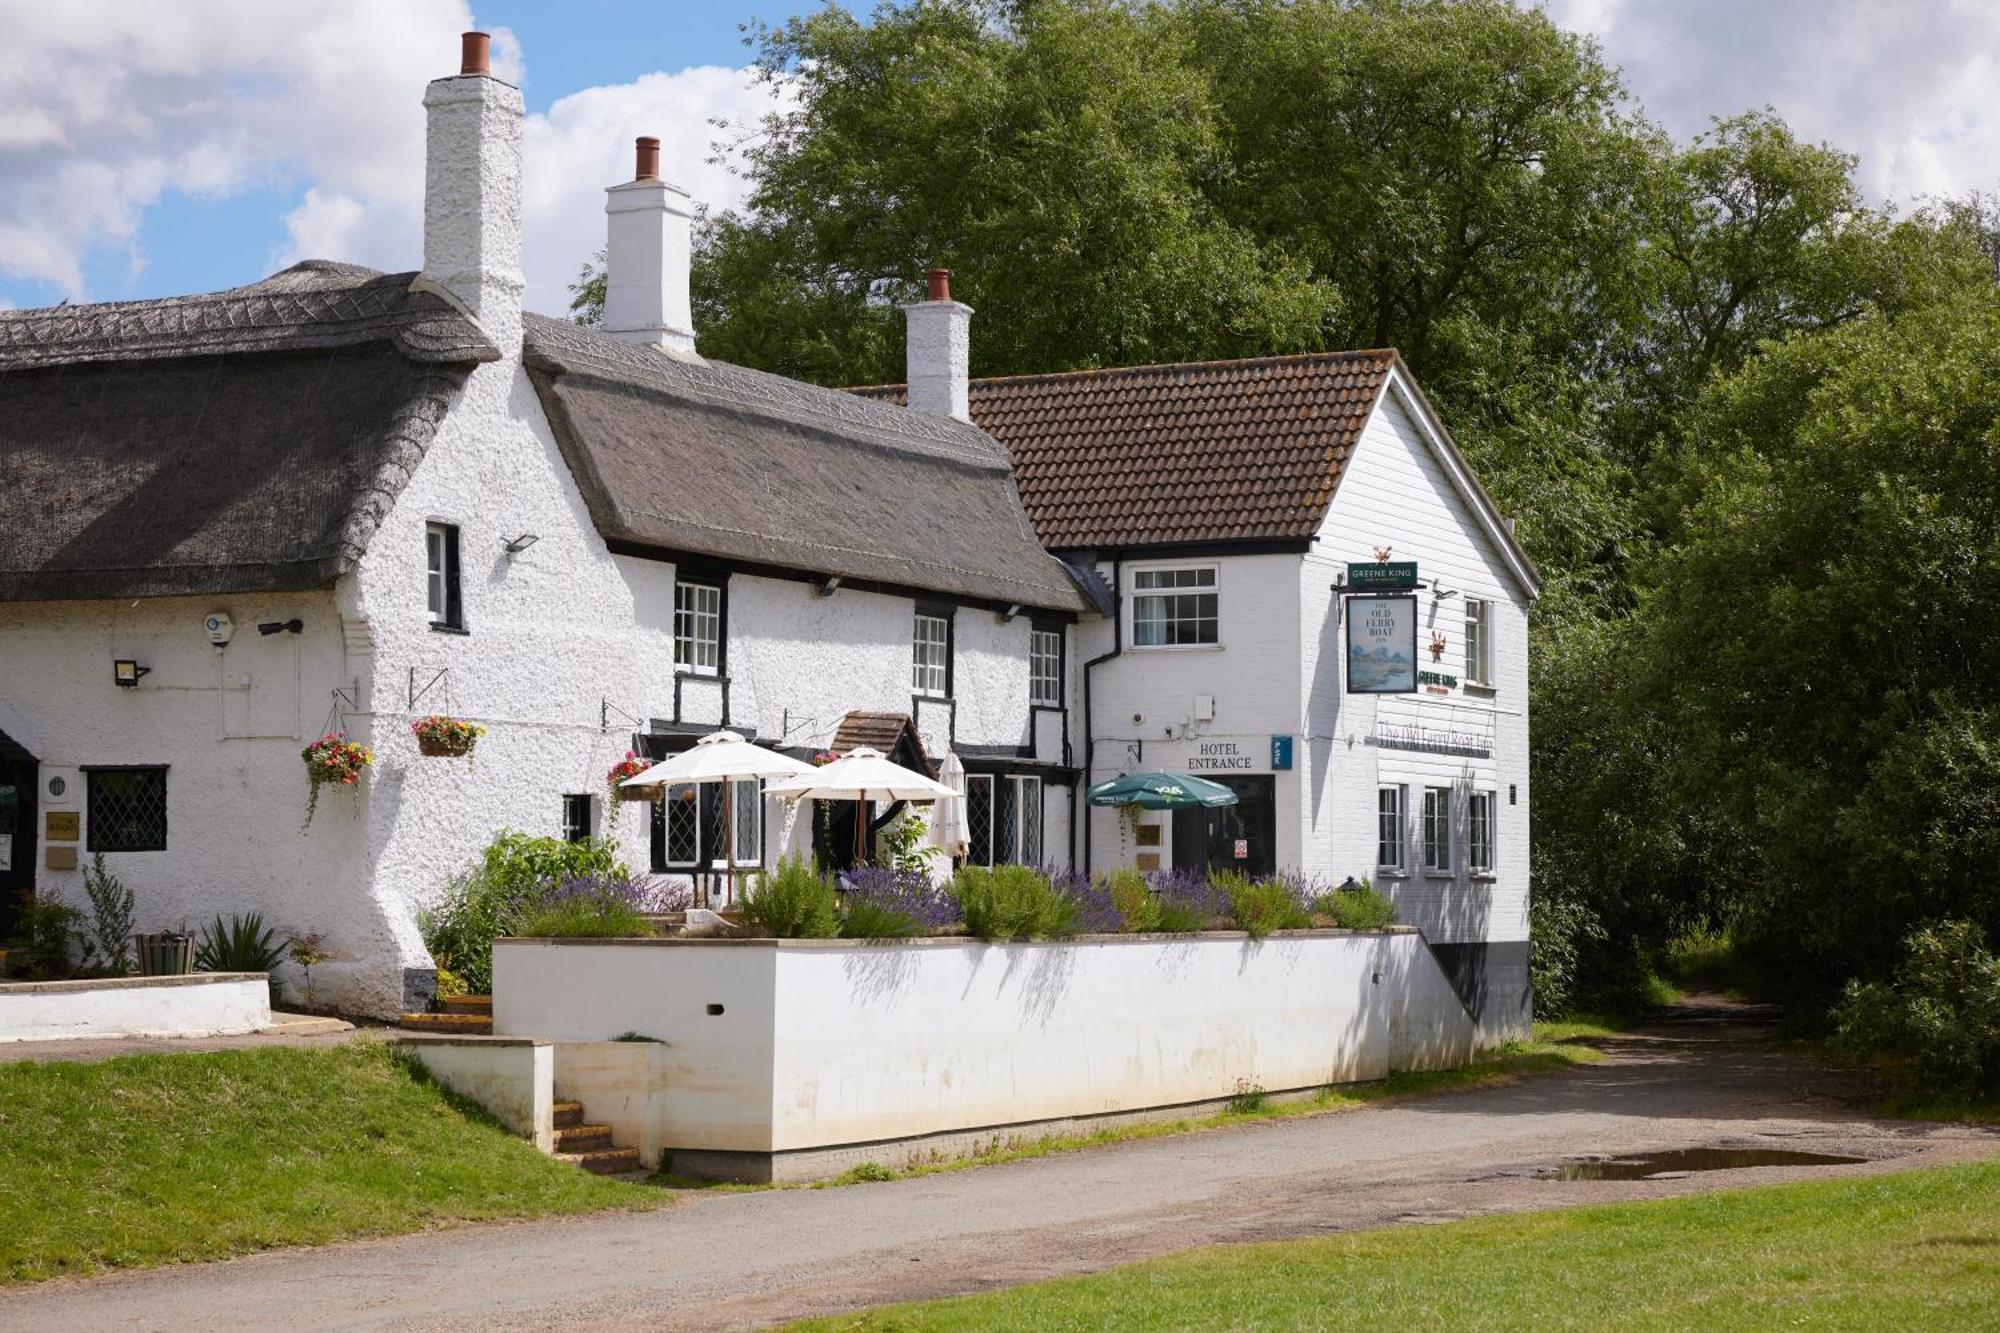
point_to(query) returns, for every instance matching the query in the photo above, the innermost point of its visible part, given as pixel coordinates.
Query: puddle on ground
(1681, 1161)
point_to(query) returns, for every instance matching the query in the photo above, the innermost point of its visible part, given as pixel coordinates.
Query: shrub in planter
(1940, 1012)
(594, 907)
(795, 903)
(1172, 904)
(43, 930)
(107, 944)
(882, 904)
(515, 873)
(1263, 905)
(1014, 903)
(333, 760)
(243, 943)
(631, 766)
(449, 737)
(1359, 908)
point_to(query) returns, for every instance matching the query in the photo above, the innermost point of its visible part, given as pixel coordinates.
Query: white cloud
(105, 107)
(582, 144)
(1906, 87)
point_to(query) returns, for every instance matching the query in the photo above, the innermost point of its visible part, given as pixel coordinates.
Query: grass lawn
(153, 1159)
(1918, 1250)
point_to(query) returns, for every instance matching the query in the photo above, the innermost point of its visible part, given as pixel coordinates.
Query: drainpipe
(1090, 732)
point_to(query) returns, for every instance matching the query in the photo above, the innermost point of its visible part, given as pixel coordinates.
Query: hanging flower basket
(333, 760)
(631, 766)
(446, 737)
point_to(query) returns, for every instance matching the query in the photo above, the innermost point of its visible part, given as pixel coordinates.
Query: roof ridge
(1096, 372)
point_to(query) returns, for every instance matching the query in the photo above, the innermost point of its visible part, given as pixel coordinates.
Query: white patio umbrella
(862, 775)
(721, 756)
(948, 830)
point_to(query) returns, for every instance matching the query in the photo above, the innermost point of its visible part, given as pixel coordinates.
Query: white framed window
(698, 628)
(1437, 828)
(930, 656)
(689, 825)
(1003, 819)
(1027, 802)
(1389, 840)
(441, 581)
(1045, 667)
(979, 818)
(1175, 608)
(1478, 641)
(1479, 812)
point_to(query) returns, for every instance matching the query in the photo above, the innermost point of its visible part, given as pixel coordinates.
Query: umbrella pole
(728, 845)
(860, 831)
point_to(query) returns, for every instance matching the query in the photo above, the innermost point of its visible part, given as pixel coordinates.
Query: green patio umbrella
(1161, 791)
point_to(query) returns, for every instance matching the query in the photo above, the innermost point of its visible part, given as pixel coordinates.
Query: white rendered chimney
(649, 242)
(472, 192)
(938, 350)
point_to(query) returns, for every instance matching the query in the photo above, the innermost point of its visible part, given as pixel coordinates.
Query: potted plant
(334, 760)
(447, 737)
(631, 766)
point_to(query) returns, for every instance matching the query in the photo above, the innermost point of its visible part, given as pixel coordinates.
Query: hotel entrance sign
(1382, 576)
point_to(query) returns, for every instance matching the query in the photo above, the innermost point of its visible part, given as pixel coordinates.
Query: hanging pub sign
(1382, 576)
(1382, 645)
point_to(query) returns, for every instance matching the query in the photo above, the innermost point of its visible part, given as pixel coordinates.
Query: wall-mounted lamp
(292, 626)
(1439, 594)
(125, 672)
(827, 586)
(516, 545)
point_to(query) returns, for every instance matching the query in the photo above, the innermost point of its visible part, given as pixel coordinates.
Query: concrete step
(583, 1138)
(458, 1025)
(569, 1114)
(604, 1161)
(468, 1004)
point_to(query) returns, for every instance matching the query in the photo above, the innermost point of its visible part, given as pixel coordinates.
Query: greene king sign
(1382, 576)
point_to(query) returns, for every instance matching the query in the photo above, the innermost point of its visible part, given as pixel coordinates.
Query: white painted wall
(513, 1078)
(204, 1005)
(828, 1043)
(1395, 492)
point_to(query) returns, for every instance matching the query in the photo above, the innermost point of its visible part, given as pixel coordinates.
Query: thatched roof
(683, 455)
(239, 441)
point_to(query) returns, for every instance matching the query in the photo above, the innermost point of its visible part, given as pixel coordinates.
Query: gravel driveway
(1713, 1075)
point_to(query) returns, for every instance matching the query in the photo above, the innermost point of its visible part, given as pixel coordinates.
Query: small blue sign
(1281, 752)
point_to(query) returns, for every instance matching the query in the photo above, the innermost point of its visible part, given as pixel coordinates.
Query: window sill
(438, 627)
(1479, 689)
(1386, 872)
(1046, 708)
(1174, 648)
(685, 673)
(933, 698)
(1484, 877)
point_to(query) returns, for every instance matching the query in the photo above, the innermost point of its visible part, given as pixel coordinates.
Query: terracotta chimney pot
(939, 281)
(475, 54)
(649, 159)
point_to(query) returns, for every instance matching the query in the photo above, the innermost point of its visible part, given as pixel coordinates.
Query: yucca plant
(243, 943)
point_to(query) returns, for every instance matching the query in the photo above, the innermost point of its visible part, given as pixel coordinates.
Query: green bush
(1138, 907)
(43, 930)
(240, 944)
(107, 944)
(513, 875)
(584, 916)
(1356, 909)
(1941, 1011)
(1013, 903)
(796, 903)
(1261, 906)
(868, 919)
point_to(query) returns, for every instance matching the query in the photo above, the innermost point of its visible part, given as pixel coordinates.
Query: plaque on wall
(59, 858)
(61, 826)
(1148, 862)
(1147, 835)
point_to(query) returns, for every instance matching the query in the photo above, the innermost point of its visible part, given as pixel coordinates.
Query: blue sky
(149, 149)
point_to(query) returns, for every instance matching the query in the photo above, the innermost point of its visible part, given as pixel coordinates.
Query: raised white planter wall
(204, 1005)
(824, 1044)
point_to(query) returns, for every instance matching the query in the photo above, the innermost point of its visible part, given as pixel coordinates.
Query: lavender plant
(879, 904)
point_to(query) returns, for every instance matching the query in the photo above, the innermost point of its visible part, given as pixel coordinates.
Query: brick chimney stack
(937, 350)
(472, 192)
(648, 250)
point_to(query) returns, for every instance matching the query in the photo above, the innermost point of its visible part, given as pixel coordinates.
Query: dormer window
(441, 576)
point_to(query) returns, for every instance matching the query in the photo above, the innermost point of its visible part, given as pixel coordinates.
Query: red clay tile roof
(1205, 451)
(881, 731)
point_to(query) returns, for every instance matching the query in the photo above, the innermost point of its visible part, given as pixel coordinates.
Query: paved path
(746, 1259)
